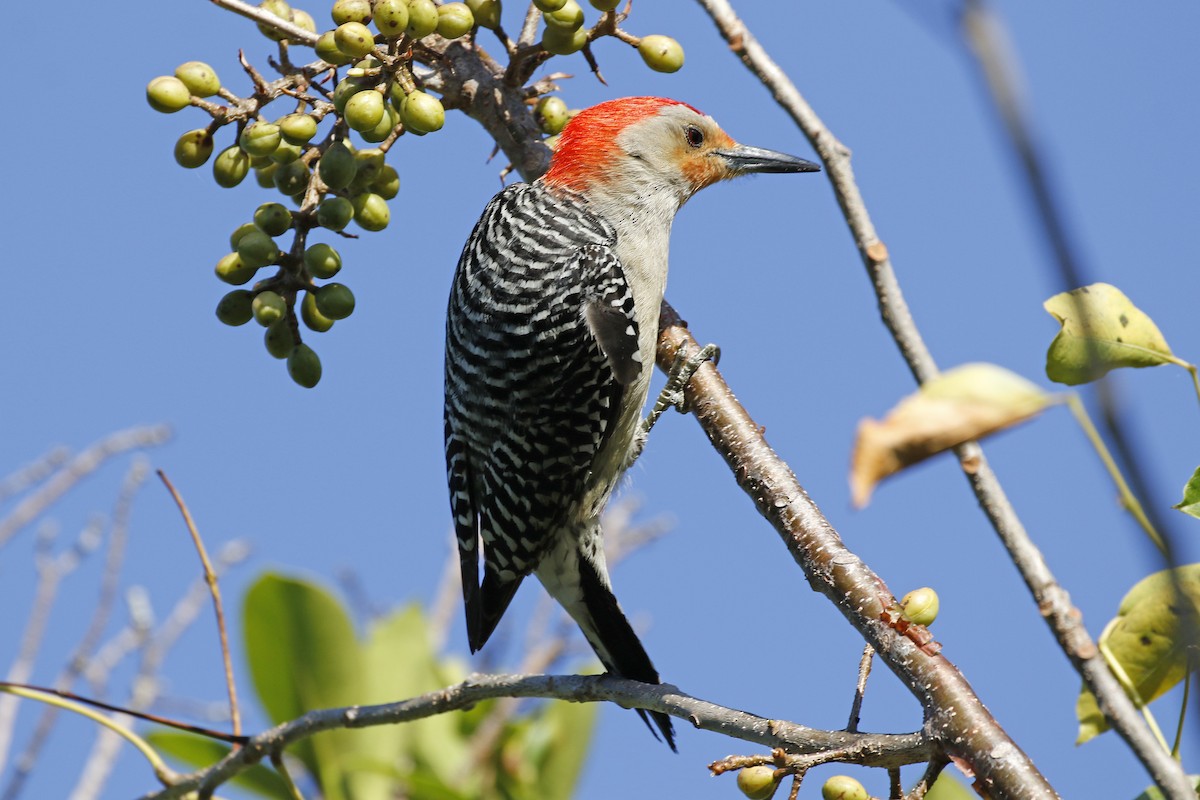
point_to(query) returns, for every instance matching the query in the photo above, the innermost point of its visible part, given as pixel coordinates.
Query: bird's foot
(672, 394)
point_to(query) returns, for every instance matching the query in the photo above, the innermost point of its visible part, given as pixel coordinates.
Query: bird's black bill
(755, 159)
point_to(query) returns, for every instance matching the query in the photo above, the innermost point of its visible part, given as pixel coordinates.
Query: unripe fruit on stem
(257, 249)
(337, 166)
(354, 39)
(231, 269)
(843, 787)
(569, 17)
(335, 300)
(279, 339)
(486, 12)
(312, 317)
(549, 5)
(757, 783)
(604, 5)
(364, 110)
(297, 128)
(335, 213)
(273, 218)
(304, 366)
(351, 11)
(387, 183)
(260, 138)
(551, 114)
(235, 308)
(322, 261)
(563, 42)
(268, 308)
(303, 20)
(387, 123)
(291, 179)
(286, 153)
(422, 18)
(346, 89)
(422, 113)
(199, 78)
(371, 212)
(193, 148)
(230, 166)
(368, 164)
(239, 232)
(328, 51)
(921, 606)
(454, 20)
(265, 176)
(391, 17)
(280, 9)
(661, 53)
(167, 94)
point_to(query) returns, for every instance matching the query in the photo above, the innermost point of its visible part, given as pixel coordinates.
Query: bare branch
(33, 473)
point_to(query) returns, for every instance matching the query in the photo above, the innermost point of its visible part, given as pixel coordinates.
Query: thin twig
(210, 578)
(860, 688)
(33, 473)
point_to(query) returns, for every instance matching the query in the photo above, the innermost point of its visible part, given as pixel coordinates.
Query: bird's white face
(677, 147)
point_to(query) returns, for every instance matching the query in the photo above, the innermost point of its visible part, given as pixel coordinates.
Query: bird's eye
(695, 136)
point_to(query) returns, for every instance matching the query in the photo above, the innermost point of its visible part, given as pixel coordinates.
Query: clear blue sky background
(108, 323)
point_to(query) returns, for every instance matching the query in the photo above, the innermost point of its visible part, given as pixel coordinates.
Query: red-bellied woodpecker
(550, 342)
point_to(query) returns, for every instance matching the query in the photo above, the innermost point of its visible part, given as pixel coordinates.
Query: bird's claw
(672, 394)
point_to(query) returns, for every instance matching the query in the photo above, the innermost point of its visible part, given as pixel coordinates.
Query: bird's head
(648, 144)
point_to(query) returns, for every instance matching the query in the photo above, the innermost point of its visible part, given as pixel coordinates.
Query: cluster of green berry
(330, 180)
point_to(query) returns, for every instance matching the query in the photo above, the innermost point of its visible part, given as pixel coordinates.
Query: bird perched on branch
(550, 343)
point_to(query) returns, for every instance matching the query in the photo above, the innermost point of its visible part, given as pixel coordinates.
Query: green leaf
(1190, 504)
(1101, 331)
(571, 726)
(197, 752)
(947, 788)
(1146, 640)
(1154, 793)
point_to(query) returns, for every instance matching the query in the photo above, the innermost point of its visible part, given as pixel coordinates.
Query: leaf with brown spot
(1101, 330)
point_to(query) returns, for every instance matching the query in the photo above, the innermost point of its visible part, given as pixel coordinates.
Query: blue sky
(109, 324)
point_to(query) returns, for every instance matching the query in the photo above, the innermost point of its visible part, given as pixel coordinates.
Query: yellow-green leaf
(965, 403)
(1190, 504)
(1154, 793)
(1146, 641)
(947, 788)
(1101, 331)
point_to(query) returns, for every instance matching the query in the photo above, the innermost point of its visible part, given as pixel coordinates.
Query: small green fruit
(563, 42)
(291, 179)
(843, 787)
(235, 308)
(921, 606)
(167, 94)
(364, 110)
(391, 17)
(304, 366)
(268, 308)
(327, 50)
(371, 212)
(387, 123)
(303, 20)
(347, 88)
(351, 11)
(422, 18)
(337, 166)
(335, 213)
(368, 164)
(551, 114)
(354, 39)
(273, 218)
(454, 20)
(486, 12)
(257, 249)
(322, 261)
(199, 78)
(194, 148)
(335, 300)
(279, 339)
(286, 153)
(280, 9)
(239, 232)
(661, 53)
(265, 176)
(757, 783)
(312, 317)
(569, 17)
(387, 183)
(231, 269)
(604, 5)
(422, 113)
(297, 128)
(260, 138)
(230, 166)
(549, 5)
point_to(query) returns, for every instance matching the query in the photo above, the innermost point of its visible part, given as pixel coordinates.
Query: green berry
(286, 153)
(351, 11)
(335, 300)
(354, 39)
(454, 20)
(304, 20)
(387, 123)
(563, 42)
(327, 50)
(304, 366)
(199, 78)
(486, 12)
(297, 128)
(235, 307)
(291, 178)
(661, 53)
(257, 249)
(364, 110)
(549, 5)
(843, 787)
(422, 113)
(337, 166)
(335, 213)
(346, 89)
(279, 339)
(240, 231)
(391, 17)
(322, 261)
(368, 164)
(422, 18)
(551, 114)
(921, 606)
(193, 148)
(265, 176)
(604, 5)
(268, 308)
(757, 783)
(273, 218)
(280, 9)
(569, 17)
(230, 166)
(231, 269)
(371, 212)
(387, 183)
(312, 317)
(167, 94)
(260, 138)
